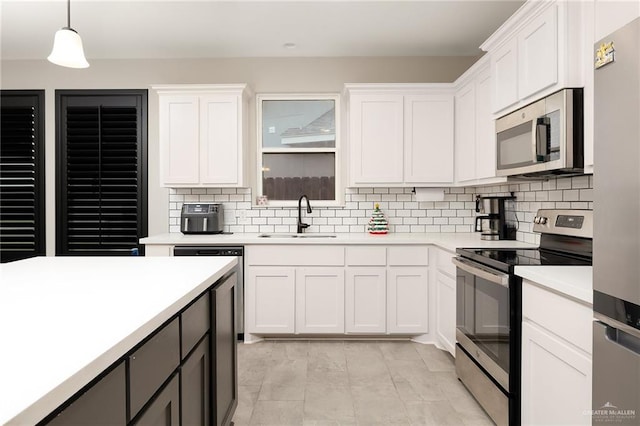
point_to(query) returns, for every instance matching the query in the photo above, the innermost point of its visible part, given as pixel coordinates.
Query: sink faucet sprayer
(302, 226)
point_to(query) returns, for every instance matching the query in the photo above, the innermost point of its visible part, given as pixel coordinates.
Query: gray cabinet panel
(194, 386)
(150, 365)
(225, 354)
(165, 409)
(195, 323)
(105, 403)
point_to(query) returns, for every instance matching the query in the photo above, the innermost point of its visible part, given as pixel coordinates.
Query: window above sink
(299, 149)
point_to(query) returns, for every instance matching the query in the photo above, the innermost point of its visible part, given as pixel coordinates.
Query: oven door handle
(482, 272)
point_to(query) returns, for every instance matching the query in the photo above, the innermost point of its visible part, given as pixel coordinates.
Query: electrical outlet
(242, 217)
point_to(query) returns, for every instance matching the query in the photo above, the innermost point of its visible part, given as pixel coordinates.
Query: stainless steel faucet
(302, 226)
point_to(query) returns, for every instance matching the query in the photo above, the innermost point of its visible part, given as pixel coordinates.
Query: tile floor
(351, 383)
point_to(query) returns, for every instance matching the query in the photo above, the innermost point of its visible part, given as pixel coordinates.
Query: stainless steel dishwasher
(235, 251)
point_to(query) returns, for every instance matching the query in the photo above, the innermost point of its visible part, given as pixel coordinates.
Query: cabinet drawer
(444, 264)
(562, 316)
(408, 256)
(295, 255)
(195, 323)
(152, 364)
(366, 256)
(105, 403)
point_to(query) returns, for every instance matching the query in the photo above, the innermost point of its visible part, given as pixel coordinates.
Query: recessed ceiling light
(289, 45)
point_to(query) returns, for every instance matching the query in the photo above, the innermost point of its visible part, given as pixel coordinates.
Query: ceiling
(119, 29)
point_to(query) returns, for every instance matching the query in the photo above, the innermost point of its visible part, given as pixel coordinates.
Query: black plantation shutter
(102, 171)
(22, 232)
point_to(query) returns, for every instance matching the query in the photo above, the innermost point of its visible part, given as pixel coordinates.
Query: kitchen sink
(296, 236)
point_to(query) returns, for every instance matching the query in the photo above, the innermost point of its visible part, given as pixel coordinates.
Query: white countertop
(448, 241)
(572, 281)
(64, 320)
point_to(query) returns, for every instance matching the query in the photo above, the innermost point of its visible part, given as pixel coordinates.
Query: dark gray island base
(184, 373)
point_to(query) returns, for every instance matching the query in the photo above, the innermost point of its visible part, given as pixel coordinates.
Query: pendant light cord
(68, 13)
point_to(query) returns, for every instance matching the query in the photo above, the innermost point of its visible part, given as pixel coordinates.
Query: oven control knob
(536, 219)
(543, 220)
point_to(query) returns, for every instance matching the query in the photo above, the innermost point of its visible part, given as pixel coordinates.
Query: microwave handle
(542, 139)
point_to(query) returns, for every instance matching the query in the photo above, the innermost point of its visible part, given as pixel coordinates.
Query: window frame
(337, 150)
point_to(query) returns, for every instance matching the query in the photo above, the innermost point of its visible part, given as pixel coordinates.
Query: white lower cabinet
(407, 299)
(319, 300)
(270, 300)
(357, 290)
(446, 303)
(556, 358)
(366, 300)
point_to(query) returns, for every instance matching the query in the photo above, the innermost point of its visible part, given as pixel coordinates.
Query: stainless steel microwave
(543, 138)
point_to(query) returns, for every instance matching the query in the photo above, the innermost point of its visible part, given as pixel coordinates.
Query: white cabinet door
(556, 380)
(270, 300)
(407, 300)
(220, 132)
(538, 53)
(376, 139)
(485, 127)
(466, 133)
(504, 64)
(179, 139)
(446, 311)
(428, 139)
(365, 300)
(319, 300)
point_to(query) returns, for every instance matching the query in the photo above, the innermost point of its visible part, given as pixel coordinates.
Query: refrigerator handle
(622, 338)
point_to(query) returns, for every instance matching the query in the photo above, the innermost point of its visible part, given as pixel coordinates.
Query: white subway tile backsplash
(563, 183)
(570, 195)
(580, 182)
(404, 213)
(586, 194)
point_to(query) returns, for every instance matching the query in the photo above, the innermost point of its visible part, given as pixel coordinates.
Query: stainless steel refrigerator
(616, 251)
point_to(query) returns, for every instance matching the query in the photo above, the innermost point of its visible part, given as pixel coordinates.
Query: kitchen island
(67, 321)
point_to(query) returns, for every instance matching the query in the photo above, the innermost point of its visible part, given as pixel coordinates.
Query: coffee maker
(499, 221)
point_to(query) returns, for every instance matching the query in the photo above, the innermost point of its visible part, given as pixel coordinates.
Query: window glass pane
(288, 176)
(298, 124)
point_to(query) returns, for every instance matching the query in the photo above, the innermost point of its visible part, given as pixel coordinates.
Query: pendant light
(67, 46)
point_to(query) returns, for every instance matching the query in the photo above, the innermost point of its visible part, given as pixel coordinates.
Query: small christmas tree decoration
(378, 223)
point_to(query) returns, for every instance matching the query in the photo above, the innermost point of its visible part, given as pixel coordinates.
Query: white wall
(263, 75)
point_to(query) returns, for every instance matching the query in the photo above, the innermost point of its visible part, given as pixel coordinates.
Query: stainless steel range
(489, 307)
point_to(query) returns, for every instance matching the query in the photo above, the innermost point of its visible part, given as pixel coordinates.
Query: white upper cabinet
(400, 135)
(475, 145)
(180, 138)
(505, 75)
(537, 51)
(485, 126)
(466, 132)
(376, 132)
(220, 160)
(203, 135)
(428, 139)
